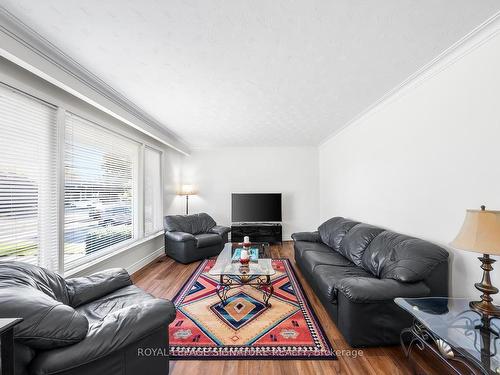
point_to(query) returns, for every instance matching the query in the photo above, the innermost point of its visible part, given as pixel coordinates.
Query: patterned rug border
(199, 270)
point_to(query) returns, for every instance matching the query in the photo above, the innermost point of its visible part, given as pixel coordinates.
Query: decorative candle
(244, 256)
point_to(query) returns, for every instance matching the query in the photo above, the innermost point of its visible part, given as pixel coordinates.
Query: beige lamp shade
(187, 190)
(480, 232)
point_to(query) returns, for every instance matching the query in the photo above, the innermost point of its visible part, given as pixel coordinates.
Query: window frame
(63, 107)
(143, 151)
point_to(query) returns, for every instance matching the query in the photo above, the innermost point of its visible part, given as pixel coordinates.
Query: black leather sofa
(100, 324)
(357, 270)
(193, 237)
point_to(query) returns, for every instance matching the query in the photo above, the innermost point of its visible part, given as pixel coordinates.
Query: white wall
(292, 171)
(415, 163)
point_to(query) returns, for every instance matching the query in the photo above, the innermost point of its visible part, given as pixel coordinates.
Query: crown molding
(473, 40)
(25, 47)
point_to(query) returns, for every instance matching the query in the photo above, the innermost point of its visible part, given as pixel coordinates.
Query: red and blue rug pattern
(244, 327)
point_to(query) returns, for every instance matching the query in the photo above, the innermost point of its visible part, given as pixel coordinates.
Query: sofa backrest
(25, 274)
(194, 224)
(395, 256)
(333, 231)
(357, 240)
(381, 252)
(40, 297)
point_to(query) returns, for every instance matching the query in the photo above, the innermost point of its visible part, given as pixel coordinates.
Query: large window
(28, 183)
(153, 210)
(100, 189)
(71, 190)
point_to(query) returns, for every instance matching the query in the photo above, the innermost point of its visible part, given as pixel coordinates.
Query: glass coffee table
(233, 275)
(466, 341)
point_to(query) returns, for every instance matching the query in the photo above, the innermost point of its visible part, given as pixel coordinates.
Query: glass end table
(466, 341)
(232, 274)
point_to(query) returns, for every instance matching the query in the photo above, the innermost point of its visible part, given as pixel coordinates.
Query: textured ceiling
(252, 72)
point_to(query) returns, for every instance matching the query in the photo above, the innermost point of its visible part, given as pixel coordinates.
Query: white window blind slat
(28, 179)
(100, 197)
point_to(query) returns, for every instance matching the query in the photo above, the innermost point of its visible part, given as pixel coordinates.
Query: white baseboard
(145, 261)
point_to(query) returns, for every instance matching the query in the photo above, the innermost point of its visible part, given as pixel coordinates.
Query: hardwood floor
(165, 277)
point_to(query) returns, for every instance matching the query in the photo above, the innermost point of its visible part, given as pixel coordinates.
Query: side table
(464, 340)
(7, 344)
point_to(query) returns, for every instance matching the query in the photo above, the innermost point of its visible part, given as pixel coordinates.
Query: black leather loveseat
(193, 237)
(88, 325)
(358, 269)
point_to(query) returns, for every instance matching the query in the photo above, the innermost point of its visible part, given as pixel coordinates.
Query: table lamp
(187, 190)
(480, 233)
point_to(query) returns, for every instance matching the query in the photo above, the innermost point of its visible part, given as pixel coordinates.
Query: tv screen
(255, 207)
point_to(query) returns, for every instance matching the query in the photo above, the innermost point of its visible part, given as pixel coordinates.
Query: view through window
(100, 199)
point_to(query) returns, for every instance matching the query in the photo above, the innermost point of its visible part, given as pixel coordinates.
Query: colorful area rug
(244, 328)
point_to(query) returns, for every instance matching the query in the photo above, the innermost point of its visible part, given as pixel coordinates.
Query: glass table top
(225, 265)
(452, 320)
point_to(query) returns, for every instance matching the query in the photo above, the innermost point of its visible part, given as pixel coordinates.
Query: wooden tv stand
(258, 232)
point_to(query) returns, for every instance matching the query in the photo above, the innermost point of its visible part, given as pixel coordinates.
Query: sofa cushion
(47, 323)
(301, 247)
(396, 256)
(369, 289)
(98, 309)
(332, 231)
(194, 224)
(88, 288)
(328, 278)
(20, 273)
(357, 240)
(312, 259)
(39, 296)
(207, 239)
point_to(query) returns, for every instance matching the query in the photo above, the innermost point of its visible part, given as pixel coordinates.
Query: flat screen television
(255, 207)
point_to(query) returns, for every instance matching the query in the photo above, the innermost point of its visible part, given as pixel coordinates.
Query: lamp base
(485, 308)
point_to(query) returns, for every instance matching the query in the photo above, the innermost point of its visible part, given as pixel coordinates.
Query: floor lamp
(187, 190)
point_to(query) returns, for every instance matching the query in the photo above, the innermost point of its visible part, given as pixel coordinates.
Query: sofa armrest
(82, 290)
(307, 236)
(220, 230)
(47, 323)
(367, 289)
(114, 332)
(179, 236)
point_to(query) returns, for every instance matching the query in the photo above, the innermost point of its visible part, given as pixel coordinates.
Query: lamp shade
(480, 232)
(187, 190)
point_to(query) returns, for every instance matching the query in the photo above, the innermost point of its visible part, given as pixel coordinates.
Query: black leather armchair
(87, 325)
(193, 237)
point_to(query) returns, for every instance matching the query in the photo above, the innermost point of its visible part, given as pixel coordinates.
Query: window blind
(28, 179)
(153, 205)
(100, 191)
